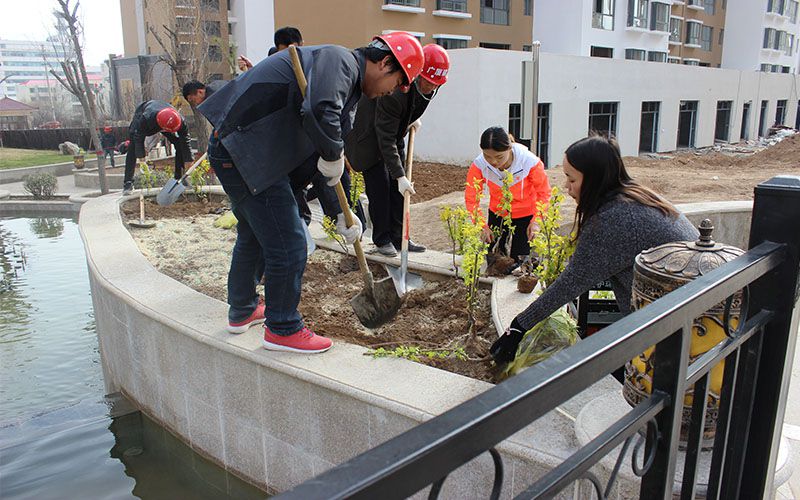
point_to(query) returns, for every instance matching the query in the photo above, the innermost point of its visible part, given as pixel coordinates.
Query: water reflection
(47, 227)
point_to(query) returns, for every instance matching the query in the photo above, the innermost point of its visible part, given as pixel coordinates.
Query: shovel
(403, 280)
(174, 188)
(377, 302)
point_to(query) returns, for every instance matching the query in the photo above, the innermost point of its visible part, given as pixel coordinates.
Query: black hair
(599, 159)
(287, 36)
(376, 54)
(496, 139)
(191, 87)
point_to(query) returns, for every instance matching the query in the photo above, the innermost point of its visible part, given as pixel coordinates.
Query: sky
(32, 19)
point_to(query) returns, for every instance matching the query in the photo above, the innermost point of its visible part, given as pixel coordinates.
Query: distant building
(21, 61)
(15, 115)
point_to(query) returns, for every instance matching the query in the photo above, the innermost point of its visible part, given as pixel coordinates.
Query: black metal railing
(751, 404)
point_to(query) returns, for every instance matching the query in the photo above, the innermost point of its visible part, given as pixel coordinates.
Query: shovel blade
(170, 193)
(403, 283)
(311, 245)
(377, 306)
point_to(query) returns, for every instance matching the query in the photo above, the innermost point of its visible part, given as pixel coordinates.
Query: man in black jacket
(108, 142)
(150, 118)
(376, 147)
(264, 131)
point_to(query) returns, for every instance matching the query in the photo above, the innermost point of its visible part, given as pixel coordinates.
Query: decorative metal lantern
(661, 270)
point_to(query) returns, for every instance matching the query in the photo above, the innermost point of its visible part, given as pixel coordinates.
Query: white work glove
(416, 125)
(403, 185)
(331, 169)
(352, 233)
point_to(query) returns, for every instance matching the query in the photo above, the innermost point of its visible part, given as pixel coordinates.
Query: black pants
(385, 205)
(519, 242)
(130, 159)
(109, 152)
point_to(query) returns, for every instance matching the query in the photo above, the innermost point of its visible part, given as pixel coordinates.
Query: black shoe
(413, 247)
(127, 189)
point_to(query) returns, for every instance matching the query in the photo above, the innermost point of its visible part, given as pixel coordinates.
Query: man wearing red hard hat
(376, 147)
(150, 118)
(109, 143)
(265, 132)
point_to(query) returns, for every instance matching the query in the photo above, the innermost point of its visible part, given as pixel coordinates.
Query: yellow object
(226, 221)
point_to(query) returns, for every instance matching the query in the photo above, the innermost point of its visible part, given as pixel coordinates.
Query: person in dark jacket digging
(109, 143)
(264, 130)
(376, 147)
(150, 118)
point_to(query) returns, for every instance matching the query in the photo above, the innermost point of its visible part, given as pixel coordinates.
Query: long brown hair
(604, 176)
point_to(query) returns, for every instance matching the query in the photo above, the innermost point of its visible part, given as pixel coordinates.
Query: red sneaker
(303, 341)
(256, 317)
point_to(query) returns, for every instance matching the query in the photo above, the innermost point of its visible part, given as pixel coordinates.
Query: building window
(762, 119)
(776, 68)
(707, 37)
(515, 120)
(693, 31)
(780, 111)
(786, 69)
(214, 53)
(769, 38)
(494, 12)
(791, 10)
(674, 60)
(660, 18)
(452, 43)
(675, 29)
(691, 62)
(212, 5)
(603, 14)
(499, 46)
(635, 54)
(602, 52)
(721, 35)
(709, 6)
(722, 129)
(744, 133)
(775, 6)
(655, 56)
(527, 7)
(687, 124)
(211, 28)
(451, 5)
(184, 24)
(543, 131)
(637, 13)
(405, 3)
(603, 118)
(789, 45)
(695, 3)
(527, 48)
(766, 68)
(648, 130)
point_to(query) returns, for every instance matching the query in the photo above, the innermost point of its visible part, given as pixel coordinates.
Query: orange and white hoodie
(529, 186)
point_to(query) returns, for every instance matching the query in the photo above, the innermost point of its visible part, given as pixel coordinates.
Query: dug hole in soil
(187, 247)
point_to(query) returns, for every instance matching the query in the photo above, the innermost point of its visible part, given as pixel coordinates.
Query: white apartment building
(618, 29)
(762, 35)
(251, 24)
(23, 60)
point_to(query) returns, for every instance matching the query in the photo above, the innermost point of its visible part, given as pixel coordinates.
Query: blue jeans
(269, 236)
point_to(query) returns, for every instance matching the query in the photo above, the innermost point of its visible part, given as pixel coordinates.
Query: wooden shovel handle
(345, 206)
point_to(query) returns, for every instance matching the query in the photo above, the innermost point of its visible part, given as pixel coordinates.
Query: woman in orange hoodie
(528, 187)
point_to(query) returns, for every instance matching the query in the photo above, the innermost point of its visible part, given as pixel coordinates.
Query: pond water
(61, 436)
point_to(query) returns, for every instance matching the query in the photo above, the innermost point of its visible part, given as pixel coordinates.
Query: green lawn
(15, 158)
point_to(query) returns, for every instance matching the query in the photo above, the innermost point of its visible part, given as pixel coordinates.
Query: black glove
(504, 349)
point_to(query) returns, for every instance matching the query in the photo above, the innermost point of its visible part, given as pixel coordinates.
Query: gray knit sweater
(606, 248)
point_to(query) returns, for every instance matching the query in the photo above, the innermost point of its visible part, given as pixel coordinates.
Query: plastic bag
(226, 220)
(549, 336)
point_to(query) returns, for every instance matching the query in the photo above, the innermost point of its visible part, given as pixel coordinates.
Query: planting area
(17, 158)
(187, 247)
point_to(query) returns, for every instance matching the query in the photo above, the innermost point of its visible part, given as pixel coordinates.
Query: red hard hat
(169, 120)
(437, 64)
(106, 129)
(407, 50)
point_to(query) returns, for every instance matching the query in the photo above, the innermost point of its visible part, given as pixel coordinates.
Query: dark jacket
(107, 140)
(144, 124)
(269, 129)
(212, 87)
(380, 128)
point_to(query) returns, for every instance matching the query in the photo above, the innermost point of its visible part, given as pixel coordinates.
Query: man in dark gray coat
(376, 147)
(264, 130)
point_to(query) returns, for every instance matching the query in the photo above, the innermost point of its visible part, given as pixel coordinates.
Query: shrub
(41, 186)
